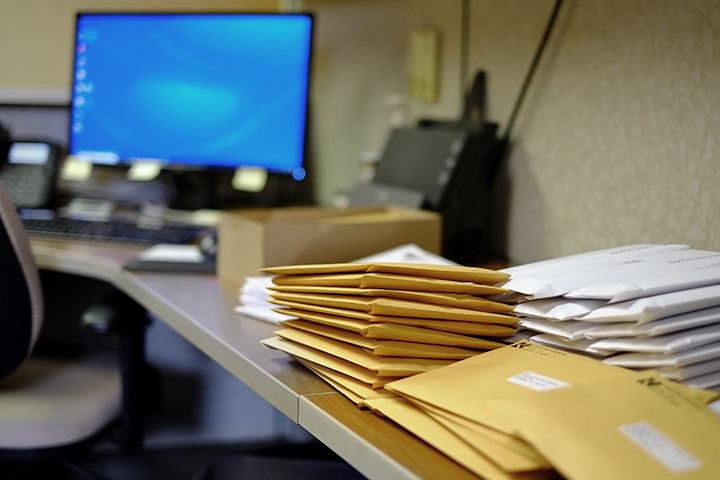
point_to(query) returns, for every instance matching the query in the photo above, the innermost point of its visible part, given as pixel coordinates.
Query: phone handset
(29, 173)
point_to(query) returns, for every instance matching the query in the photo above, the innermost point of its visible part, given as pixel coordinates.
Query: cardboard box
(252, 239)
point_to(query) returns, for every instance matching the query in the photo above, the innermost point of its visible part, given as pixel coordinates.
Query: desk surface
(200, 308)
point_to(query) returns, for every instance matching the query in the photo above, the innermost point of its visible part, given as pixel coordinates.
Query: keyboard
(113, 230)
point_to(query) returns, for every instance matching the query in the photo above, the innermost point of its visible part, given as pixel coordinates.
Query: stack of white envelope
(640, 306)
(530, 411)
(361, 325)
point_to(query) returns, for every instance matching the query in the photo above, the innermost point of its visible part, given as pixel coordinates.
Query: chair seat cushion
(50, 403)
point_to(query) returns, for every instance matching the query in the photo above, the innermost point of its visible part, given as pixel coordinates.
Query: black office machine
(454, 165)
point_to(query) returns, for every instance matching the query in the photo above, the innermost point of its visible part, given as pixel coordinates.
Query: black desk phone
(28, 170)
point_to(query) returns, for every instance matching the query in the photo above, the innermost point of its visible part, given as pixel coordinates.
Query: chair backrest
(21, 302)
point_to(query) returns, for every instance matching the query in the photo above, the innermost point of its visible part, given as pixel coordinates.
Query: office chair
(58, 407)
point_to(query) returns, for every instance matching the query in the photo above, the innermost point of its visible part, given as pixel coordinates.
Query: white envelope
(690, 371)
(655, 284)
(587, 258)
(703, 353)
(553, 282)
(708, 381)
(568, 330)
(647, 309)
(671, 343)
(676, 323)
(557, 308)
(583, 345)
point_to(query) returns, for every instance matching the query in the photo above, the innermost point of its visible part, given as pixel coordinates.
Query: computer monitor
(192, 90)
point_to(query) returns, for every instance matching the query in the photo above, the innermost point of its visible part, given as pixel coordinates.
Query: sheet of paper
(409, 253)
(171, 253)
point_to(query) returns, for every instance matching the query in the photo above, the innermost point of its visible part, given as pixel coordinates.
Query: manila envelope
(438, 298)
(394, 307)
(428, 429)
(382, 366)
(464, 388)
(620, 428)
(389, 331)
(443, 272)
(301, 352)
(345, 384)
(511, 453)
(389, 282)
(365, 323)
(390, 348)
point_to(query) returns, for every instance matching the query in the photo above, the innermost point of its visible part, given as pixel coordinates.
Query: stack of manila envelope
(528, 411)
(362, 325)
(648, 306)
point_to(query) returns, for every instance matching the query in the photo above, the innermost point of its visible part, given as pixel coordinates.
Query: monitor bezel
(200, 167)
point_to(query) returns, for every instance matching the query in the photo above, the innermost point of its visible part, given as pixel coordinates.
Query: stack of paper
(520, 411)
(361, 325)
(640, 307)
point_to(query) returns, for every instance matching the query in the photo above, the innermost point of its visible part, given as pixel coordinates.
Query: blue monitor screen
(191, 90)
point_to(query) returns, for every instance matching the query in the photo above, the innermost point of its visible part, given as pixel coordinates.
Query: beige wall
(36, 36)
(619, 138)
(618, 141)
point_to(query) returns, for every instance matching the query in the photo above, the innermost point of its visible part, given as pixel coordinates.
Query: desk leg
(133, 366)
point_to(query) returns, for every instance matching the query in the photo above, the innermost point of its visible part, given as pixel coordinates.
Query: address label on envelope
(536, 381)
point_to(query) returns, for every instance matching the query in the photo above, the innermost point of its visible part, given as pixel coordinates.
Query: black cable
(500, 149)
(533, 66)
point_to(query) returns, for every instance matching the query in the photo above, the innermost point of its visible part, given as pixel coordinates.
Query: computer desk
(200, 308)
